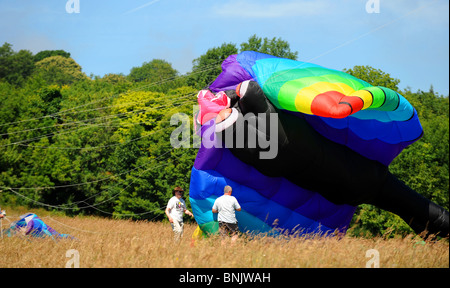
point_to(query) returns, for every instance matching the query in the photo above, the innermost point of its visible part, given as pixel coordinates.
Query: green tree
(145, 165)
(156, 70)
(15, 67)
(274, 46)
(118, 82)
(424, 166)
(11, 107)
(207, 67)
(373, 76)
(59, 70)
(49, 53)
(51, 97)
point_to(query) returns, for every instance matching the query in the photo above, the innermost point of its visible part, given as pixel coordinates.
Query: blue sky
(409, 39)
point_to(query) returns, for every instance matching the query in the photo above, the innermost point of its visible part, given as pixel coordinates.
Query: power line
(163, 81)
(62, 207)
(142, 110)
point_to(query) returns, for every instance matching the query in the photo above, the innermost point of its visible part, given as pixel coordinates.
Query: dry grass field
(119, 243)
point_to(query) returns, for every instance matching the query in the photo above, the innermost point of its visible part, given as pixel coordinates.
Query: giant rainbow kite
(328, 150)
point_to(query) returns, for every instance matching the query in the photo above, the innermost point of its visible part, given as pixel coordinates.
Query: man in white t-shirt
(175, 210)
(226, 205)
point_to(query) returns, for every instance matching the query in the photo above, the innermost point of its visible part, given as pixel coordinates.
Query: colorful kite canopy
(31, 225)
(381, 122)
(335, 137)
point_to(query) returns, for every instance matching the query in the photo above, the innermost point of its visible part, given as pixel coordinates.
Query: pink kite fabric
(211, 104)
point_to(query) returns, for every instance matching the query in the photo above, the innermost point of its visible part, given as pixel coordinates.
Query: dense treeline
(102, 145)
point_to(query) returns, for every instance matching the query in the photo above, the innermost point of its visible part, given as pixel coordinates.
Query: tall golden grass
(122, 243)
